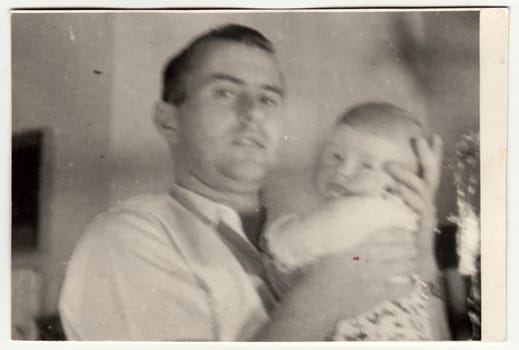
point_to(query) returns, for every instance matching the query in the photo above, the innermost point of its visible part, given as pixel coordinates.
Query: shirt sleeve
(281, 271)
(126, 281)
(297, 241)
(278, 253)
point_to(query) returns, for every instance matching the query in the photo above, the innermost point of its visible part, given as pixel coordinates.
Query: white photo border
(494, 101)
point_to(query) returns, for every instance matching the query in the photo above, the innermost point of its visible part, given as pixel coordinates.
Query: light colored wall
(54, 87)
(449, 77)
(103, 144)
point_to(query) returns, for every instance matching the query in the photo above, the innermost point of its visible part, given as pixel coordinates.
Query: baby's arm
(299, 240)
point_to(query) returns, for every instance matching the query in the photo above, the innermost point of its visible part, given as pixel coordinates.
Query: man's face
(353, 162)
(230, 123)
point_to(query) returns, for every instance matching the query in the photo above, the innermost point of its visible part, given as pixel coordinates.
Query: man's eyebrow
(223, 76)
(275, 89)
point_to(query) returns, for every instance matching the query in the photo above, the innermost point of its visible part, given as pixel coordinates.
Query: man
(185, 265)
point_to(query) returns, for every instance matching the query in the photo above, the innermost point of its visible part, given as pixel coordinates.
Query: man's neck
(239, 202)
(246, 204)
(244, 200)
(250, 210)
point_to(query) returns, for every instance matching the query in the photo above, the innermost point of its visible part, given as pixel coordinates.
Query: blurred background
(85, 84)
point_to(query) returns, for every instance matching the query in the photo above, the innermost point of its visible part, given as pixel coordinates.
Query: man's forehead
(239, 60)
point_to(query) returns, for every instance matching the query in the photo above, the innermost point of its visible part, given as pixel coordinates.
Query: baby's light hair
(382, 119)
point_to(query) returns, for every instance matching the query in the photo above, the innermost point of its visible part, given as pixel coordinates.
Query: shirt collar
(212, 211)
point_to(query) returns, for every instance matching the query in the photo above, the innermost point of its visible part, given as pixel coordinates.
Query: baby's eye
(336, 156)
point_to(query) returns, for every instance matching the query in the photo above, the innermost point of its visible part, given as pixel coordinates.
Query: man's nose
(249, 108)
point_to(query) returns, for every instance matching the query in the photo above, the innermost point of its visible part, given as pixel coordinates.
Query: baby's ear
(165, 120)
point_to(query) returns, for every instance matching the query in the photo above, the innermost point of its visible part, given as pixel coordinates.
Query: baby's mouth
(338, 190)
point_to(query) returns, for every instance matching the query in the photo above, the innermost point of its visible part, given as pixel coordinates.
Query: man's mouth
(249, 141)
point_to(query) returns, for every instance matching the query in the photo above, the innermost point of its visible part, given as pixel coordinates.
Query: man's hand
(419, 192)
(361, 277)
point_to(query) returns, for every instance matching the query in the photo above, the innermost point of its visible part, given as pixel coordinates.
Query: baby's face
(353, 162)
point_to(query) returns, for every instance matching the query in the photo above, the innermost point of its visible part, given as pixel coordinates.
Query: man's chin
(248, 177)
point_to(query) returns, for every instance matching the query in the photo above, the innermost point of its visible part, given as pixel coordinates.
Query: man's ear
(165, 119)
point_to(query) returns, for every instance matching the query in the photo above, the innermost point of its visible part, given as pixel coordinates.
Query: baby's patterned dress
(404, 319)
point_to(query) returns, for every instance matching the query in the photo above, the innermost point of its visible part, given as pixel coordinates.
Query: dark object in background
(50, 328)
(25, 187)
(445, 247)
(456, 285)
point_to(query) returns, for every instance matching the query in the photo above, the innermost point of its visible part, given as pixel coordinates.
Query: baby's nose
(374, 181)
(348, 167)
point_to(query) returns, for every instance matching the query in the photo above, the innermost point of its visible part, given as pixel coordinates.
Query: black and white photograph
(247, 175)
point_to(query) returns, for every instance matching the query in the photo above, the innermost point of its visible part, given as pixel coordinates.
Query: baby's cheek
(373, 182)
(324, 179)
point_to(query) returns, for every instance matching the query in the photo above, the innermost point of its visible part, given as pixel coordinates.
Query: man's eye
(269, 101)
(368, 165)
(224, 93)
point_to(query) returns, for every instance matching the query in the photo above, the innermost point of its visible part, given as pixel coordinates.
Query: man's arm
(298, 240)
(341, 286)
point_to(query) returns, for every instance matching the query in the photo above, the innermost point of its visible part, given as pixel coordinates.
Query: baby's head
(362, 143)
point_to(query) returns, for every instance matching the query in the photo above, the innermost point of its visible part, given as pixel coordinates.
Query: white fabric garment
(155, 268)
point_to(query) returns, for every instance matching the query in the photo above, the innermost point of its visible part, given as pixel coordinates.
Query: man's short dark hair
(173, 83)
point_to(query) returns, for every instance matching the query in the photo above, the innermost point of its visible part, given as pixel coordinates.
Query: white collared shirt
(212, 211)
(153, 268)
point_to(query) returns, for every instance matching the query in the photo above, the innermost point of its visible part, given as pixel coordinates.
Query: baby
(351, 178)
